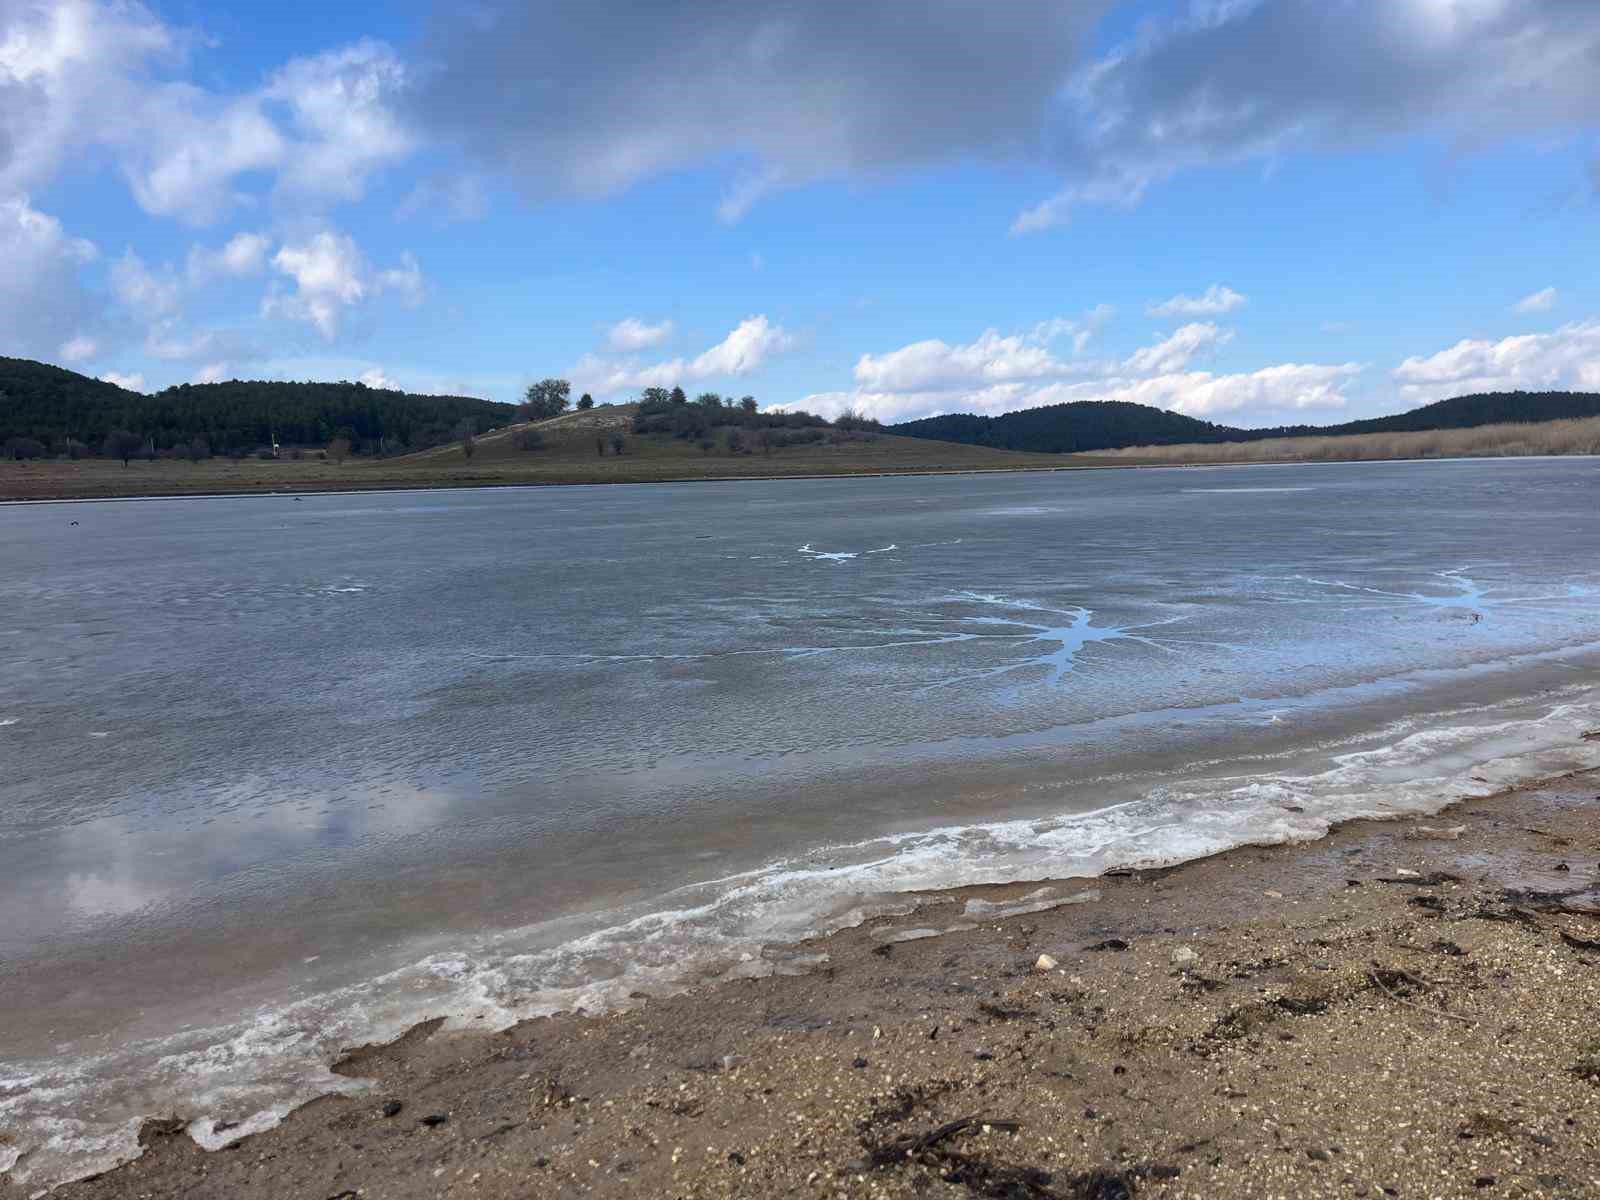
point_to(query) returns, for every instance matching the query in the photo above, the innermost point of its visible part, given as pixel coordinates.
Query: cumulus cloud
(133, 382)
(343, 118)
(1215, 85)
(242, 255)
(630, 335)
(1541, 301)
(789, 92)
(86, 79)
(934, 365)
(1215, 301)
(44, 304)
(150, 292)
(1567, 358)
(999, 373)
(331, 276)
(378, 378)
(1271, 392)
(748, 347)
(1177, 351)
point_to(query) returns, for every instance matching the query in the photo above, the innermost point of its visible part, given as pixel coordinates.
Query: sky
(1255, 212)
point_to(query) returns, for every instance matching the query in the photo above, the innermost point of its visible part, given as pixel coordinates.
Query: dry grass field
(1484, 441)
(568, 454)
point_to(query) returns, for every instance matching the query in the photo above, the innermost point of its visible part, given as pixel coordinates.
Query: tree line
(49, 410)
(1084, 426)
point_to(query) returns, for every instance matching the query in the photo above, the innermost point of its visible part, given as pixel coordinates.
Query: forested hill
(1089, 425)
(57, 407)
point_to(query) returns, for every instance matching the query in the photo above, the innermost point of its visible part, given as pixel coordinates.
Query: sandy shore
(1401, 1009)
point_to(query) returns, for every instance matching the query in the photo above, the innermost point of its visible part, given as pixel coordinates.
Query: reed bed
(1578, 436)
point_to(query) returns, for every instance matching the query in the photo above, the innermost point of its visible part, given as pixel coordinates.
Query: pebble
(1183, 956)
(1045, 963)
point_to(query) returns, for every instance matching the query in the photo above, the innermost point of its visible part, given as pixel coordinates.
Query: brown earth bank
(1406, 1008)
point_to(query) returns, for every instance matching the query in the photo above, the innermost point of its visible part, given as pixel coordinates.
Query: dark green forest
(63, 412)
(1088, 425)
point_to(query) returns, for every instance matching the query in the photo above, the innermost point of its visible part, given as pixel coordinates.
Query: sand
(1289, 1021)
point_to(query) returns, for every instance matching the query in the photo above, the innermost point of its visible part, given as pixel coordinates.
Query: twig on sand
(909, 1146)
(1433, 1012)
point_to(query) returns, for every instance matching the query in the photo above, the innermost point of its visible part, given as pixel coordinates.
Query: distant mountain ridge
(1085, 426)
(52, 405)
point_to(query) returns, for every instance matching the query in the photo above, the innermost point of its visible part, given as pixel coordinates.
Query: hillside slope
(1086, 426)
(52, 405)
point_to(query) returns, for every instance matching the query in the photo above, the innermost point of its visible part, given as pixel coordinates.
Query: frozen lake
(283, 775)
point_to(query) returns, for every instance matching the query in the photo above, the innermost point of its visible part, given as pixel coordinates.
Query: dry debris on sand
(1372, 1015)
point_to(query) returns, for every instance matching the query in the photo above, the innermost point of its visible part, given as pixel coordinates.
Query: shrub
(530, 439)
(850, 420)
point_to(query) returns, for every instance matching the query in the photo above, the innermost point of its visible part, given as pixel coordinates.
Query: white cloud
(152, 293)
(1269, 393)
(934, 365)
(378, 378)
(192, 151)
(331, 276)
(44, 304)
(133, 382)
(1189, 90)
(342, 106)
(86, 80)
(404, 280)
(1216, 301)
(1179, 350)
(630, 335)
(1083, 329)
(242, 255)
(1541, 301)
(748, 347)
(1566, 358)
(751, 343)
(79, 348)
(998, 373)
(215, 372)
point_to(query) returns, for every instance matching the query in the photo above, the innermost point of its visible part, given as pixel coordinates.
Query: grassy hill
(60, 409)
(1087, 426)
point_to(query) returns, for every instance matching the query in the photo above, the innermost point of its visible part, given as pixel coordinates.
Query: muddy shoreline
(1401, 1008)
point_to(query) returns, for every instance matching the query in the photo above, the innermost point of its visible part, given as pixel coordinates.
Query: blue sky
(1252, 211)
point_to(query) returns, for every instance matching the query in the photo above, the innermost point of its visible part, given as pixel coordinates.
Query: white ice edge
(256, 1071)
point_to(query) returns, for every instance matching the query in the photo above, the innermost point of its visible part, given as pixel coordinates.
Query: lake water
(285, 775)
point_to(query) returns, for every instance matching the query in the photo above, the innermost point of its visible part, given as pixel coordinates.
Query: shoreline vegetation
(589, 446)
(566, 454)
(1402, 1000)
(1509, 440)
